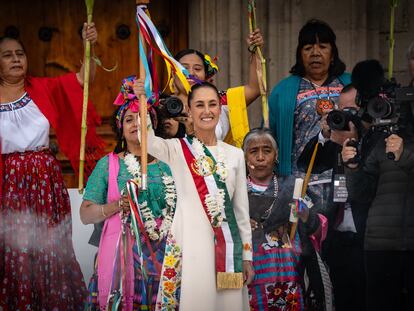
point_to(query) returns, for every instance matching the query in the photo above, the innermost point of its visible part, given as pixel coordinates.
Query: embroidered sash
(227, 240)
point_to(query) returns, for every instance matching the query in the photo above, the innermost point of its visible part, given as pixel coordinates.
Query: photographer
(385, 177)
(343, 247)
(172, 122)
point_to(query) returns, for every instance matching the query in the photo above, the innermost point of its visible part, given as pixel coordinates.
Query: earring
(123, 143)
(276, 161)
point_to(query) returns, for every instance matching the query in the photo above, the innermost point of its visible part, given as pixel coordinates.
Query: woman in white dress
(207, 261)
(38, 267)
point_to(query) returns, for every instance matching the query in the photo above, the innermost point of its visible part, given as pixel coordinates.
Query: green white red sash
(228, 243)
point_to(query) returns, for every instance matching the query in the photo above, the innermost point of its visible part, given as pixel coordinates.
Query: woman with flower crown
(137, 269)
(202, 68)
(207, 262)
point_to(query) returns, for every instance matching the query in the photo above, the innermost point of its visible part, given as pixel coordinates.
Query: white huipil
(22, 126)
(192, 231)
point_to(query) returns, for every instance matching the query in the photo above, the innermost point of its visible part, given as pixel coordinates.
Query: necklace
(267, 212)
(322, 104)
(155, 231)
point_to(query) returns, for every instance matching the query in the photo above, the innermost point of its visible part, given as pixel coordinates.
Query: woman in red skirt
(38, 267)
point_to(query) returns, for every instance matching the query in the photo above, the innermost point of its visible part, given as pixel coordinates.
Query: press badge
(340, 192)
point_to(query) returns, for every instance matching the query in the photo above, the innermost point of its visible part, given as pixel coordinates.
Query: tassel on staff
(261, 71)
(89, 9)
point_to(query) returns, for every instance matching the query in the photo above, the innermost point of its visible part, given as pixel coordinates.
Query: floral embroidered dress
(307, 125)
(96, 191)
(277, 283)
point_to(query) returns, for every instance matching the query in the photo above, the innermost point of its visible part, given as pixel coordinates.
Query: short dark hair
(5, 38)
(199, 86)
(313, 31)
(185, 52)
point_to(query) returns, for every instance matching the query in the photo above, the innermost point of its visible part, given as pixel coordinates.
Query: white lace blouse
(22, 126)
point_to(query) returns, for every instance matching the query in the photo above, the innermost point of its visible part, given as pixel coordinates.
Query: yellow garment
(239, 123)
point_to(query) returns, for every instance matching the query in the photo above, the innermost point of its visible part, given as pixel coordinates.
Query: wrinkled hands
(254, 40)
(89, 33)
(248, 272)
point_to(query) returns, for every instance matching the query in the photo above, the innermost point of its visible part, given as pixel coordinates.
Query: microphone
(251, 165)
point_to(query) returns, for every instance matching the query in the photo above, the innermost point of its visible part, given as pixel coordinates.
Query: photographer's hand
(326, 131)
(394, 144)
(348, 153)
(339, 137)
(187, 120)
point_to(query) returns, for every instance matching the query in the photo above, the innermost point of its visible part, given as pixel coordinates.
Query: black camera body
(169, 107)
(383, 103)
(339, 119)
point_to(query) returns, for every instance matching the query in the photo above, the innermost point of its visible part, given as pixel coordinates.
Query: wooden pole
(89, 10)
(393, 4)
(261, 73)
(143, 117)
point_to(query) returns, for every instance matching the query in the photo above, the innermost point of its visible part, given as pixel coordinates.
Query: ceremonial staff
(143, 114)
(393, 4)
(261, 70)
(89, 9)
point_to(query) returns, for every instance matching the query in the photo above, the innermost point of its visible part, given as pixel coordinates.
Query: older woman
(315, 84)
(39, 269)
(104, 207)
(276, 259)
(208, 255)
(202, 68)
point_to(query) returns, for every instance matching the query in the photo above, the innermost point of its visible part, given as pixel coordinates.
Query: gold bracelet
(103, 212)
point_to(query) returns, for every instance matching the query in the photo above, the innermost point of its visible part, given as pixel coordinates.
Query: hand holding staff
(86, 65)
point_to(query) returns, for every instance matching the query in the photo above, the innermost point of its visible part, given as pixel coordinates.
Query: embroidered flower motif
(170, 282)
(169, 286)
(170, 261)
(247, 247)
(170, 273)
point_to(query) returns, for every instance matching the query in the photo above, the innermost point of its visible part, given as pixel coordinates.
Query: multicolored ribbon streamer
(157, 45)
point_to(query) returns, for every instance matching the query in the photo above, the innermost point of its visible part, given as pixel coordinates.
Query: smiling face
(316, 59)
(205, 109)
(13, 61)
(195, 66)
(260, 158)
(130, 127)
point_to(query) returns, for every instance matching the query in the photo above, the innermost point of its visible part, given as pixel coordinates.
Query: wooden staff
(393, 4)
(305, 187)
(143, 117)
(261, 73)
(89, 10)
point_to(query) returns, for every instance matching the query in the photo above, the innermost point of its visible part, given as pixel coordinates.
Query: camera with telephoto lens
(383, 103)
(339, 119)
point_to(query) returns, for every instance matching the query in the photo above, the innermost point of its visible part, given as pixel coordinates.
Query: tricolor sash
(227, 240)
